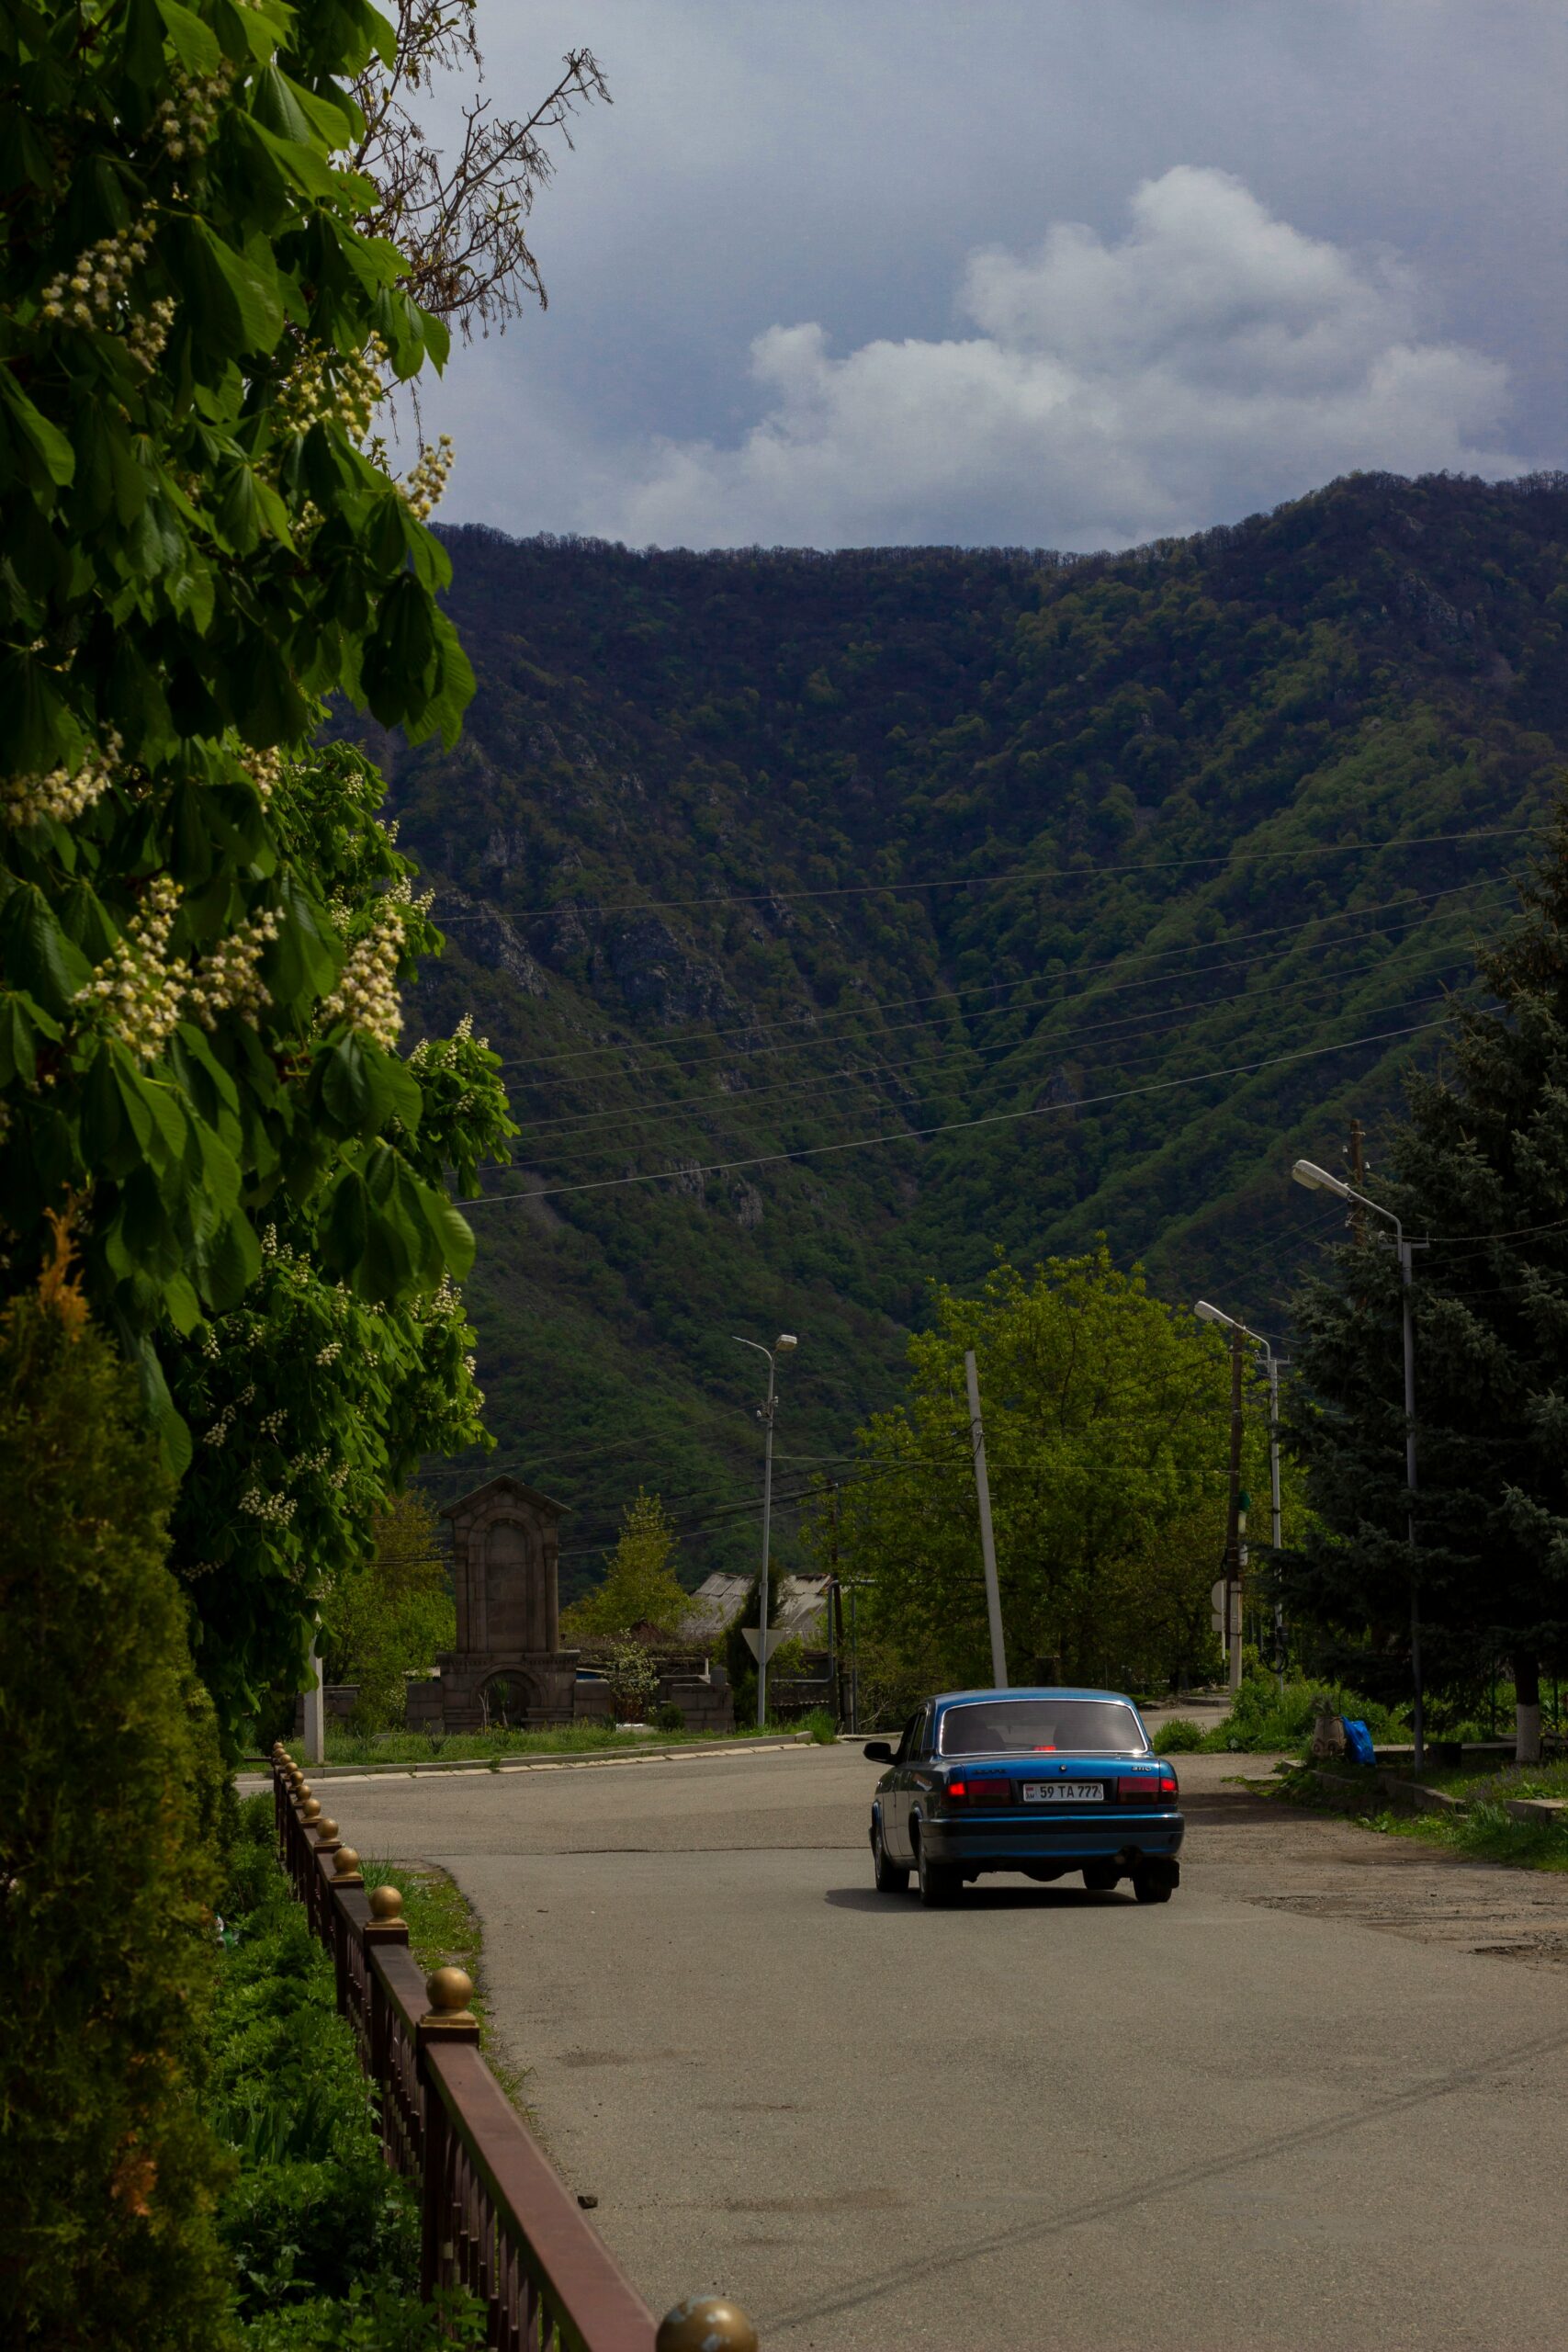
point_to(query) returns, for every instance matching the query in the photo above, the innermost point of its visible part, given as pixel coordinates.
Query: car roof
(1033, 1690)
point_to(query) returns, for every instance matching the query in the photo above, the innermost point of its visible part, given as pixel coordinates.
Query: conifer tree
(1478, 1172)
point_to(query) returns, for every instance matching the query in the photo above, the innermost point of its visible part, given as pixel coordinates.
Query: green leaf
(183, 1304)
(454, 690)
(289, 162)
(173, 1436)
(194, 44)
(192, 1041)
(237, 298)
(249, 510)
(231, 1260)
(346, 1084)
(397, 1090)
(37, 955)
(283, 105)
(453, 1233)
(18, 1019)
(47, 442)
(347, 1222)
(39, 733)
(401, 660)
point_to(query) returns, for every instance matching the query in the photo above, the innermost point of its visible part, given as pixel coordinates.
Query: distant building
(719, 1598)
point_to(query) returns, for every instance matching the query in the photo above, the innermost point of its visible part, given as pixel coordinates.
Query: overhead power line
(1026, 877)
(541, 1134)
(731, 1110)
(1076, 994)
(953, 1127)
(743, 1033)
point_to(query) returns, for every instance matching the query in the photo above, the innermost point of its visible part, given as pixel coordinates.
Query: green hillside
(775, 852)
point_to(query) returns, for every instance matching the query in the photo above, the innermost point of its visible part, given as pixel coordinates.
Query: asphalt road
(1319, 2099)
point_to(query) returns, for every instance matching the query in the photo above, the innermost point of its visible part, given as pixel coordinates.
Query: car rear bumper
(995, 1842)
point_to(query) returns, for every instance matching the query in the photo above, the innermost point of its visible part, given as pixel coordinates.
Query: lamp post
(1272, 1365)
(1318, 1180)
(782, 1345)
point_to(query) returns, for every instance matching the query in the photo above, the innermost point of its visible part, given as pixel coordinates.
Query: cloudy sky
(1061, 272)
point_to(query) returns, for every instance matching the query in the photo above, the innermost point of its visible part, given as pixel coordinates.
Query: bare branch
(460, 217)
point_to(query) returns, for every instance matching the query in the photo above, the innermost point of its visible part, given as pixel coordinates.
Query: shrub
(633, 1681)
(822, 1726)
(1263, 1718)
(1180, 1736)
(669, 1717)
(111, 1794)
(324, 2238)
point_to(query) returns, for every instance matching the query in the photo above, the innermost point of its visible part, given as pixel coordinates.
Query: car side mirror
(879, 1751)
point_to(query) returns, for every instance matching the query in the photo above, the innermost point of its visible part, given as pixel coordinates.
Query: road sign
(754, 1640)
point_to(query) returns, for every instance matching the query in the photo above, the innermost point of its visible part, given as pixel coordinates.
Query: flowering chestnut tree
(203, 927)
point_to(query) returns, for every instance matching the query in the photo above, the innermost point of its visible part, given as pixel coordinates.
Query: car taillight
(1148, 1788)
(984, 1792)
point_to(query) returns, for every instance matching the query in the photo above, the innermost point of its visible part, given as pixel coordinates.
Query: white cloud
(1213, 361)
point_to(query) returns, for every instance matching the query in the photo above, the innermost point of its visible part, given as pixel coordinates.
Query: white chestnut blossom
(63, 794)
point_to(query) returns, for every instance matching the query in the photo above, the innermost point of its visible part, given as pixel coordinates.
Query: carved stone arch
(509, 1700)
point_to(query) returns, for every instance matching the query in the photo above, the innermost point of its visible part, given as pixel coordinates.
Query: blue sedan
(1041, 1782)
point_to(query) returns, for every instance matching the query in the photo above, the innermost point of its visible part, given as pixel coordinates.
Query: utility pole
(1272, 1364)
(782, 1345)
(987, 1542)
(1318, 1180)
(838, 1617)
(1239, 1332)
(1233, 1519)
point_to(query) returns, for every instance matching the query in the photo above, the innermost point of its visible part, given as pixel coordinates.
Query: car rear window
(1086, 1726)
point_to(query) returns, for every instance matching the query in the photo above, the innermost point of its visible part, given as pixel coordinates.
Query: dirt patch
(1256, 1850)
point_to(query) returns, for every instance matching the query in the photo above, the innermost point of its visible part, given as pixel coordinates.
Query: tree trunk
(1527, 1707)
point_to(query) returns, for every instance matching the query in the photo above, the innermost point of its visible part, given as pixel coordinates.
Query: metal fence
(496, 2217)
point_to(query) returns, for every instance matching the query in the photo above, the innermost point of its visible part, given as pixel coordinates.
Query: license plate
(1063, 1792)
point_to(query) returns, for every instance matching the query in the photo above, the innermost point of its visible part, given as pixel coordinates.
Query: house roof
(720, 1598)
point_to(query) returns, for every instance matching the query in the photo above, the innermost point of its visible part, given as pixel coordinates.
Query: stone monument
(508, 1668)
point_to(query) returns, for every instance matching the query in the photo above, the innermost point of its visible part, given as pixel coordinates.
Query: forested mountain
(771, 851)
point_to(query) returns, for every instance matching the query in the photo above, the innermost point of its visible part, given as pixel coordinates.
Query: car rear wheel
(1150, 1889)
(1100, 1877)
(890, 1879)
(940, 1884)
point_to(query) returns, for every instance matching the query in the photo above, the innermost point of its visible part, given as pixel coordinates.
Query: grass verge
(1485, 1832)
(567, 1739)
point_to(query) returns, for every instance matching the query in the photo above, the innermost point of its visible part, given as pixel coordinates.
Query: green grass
(495, 1747)
(1484, 1831)
(443, 1932)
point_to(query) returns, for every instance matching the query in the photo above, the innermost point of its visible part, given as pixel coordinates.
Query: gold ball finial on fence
(385, 1903)
(346, 1865)
(705, 2324)
(310, 1811)
(326, 1827)
(450, 1990)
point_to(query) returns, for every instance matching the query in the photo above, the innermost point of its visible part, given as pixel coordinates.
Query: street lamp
(781, 1346)
(1273, 1366)
(1318, 1180)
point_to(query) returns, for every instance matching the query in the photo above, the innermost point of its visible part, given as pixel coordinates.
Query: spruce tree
(1478, 1172)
